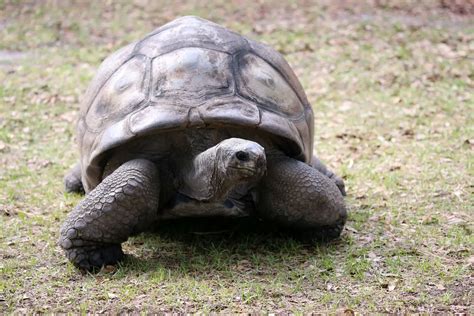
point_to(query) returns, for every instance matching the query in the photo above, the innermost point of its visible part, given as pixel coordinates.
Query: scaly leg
(318, 165)
(72, 180)
(124, 203)
(298, 196)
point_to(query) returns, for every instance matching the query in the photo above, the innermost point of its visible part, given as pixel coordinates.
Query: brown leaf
(440, 287)
(345, 311)
(109, 269)
(470, 260)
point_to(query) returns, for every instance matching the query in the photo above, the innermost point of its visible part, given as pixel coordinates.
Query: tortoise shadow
(218, 245)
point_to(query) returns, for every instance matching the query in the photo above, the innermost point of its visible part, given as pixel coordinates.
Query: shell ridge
(157, 31)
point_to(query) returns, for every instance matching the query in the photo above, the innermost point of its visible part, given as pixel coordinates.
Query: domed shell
(191, 73)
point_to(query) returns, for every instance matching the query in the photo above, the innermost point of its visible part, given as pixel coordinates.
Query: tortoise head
(222, 168)
(239, 159)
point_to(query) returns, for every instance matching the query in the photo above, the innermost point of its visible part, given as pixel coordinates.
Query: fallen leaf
(470, 260)
(469, 143)
(351, 229)
(109, 269)
(392, 285)
(446, 51)
(458, 195)
(453, 220)
(440, 287)
(346, 106)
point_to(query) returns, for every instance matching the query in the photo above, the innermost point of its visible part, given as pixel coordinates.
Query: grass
(391, 88)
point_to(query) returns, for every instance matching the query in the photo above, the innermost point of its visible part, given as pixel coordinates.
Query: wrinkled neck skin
(199, 177)
(208, 179)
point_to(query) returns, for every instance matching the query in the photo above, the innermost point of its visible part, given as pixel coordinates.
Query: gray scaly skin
(123, 204)
(318, 165)
(301, 197)
(288, 192)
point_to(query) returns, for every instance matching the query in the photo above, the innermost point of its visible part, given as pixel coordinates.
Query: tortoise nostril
(242, 156)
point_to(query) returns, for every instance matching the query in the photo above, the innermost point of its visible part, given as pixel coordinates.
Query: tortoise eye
(242, 156)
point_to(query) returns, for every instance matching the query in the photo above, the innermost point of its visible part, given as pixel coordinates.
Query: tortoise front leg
(123, 204)
(300, 197)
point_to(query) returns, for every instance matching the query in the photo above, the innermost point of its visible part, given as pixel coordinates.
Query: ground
(391, 83)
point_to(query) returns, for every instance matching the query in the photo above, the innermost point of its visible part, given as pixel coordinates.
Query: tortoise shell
(191, 73)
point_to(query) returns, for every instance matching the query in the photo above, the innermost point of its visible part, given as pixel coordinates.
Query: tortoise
(194, 120)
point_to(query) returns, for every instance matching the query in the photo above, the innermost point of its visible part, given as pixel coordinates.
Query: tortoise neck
(200, 177)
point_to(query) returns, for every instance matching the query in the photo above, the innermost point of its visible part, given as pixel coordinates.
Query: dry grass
(392, 90)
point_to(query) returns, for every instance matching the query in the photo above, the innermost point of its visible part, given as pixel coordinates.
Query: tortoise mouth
(247, 171)
(244, 169)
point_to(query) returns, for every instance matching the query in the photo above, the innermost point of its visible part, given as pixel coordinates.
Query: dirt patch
(11, 56)
(464, 7)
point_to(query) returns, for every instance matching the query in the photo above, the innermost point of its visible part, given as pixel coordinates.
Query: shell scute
(123, 92)
(259, 81)
(189, 31)
(191, 72)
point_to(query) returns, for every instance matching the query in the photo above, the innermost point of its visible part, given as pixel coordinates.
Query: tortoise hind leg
(124, 203)
(299, 197)
(72, 179)
(318, 165)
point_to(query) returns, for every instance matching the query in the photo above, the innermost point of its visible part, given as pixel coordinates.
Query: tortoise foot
(91, 258)
(319, 234)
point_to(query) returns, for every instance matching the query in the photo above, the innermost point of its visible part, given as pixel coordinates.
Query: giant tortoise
(194, 120)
